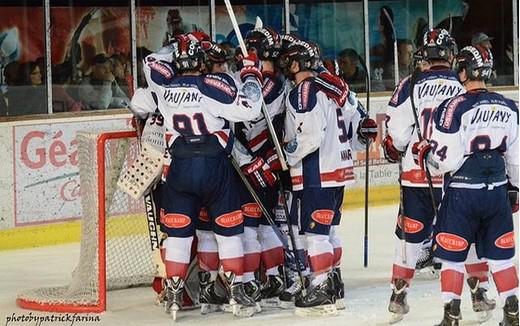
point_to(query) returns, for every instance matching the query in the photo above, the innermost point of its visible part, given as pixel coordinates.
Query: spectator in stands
(3, 105)
(121, 72)
(62, 101)
(100, 90)
(481, 40)
(348, 61)
(29, 96)
(405, 57)
(382, 55)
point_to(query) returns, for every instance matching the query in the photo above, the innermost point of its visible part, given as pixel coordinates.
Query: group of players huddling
(211, 120)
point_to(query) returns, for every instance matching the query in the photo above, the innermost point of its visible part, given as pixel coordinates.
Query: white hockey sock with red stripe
(272, 250)
(231, 253)
(177, 256)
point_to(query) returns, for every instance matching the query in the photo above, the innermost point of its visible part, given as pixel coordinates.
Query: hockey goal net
(115, 250)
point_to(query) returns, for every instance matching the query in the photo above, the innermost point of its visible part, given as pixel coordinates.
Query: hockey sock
(452, 280)
(478, 268)
(505, 276)
(335, 241)
(252, 250)
(272, 250)
(231, 253)
(320, 253)
(406, 270)
(207, 253)
(177, 256)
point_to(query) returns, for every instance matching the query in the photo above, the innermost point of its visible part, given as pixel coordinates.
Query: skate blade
(484, 316)
(318, 311)
(226, 307)
(243, 311)
(207, 308)
(286, 304)
(174, 315)
(340, 304)
(270, 303)
(395, 318)
(427, 273)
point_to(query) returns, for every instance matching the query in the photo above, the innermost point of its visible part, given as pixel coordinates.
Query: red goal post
(114, 248)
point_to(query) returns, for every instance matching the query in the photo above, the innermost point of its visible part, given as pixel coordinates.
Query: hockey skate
(271, 290)
(241, 304)
(252, 289)
(291, 293)
(451, 314)
(481, 304)
(426, 266)
(510, 312)
(209, 300)
(319, 301)
(339, 288)
(173, 299)
(398, 305)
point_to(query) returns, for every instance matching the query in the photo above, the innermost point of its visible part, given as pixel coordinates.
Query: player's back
(431, 88)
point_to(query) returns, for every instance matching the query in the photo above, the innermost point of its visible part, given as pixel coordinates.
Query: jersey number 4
(183, 124)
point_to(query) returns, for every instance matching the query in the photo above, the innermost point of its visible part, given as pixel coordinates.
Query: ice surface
(367, 290)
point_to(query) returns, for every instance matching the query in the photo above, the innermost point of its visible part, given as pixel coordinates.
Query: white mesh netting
(128, 254)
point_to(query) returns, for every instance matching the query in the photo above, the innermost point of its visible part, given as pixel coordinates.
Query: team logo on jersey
(203, 215)
(451, 242)
(252, 90)
(323, 216)
(506, 241)
(291, 146)
(230, 220)
(410, 225)
(174, 221)
(252, 210)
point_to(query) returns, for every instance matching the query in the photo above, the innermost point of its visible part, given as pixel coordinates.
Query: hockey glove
(259, 173)
(512, 193)
(420, 151)
(391, 153)
(334, 87)
(272, 159)
(367, 131)
(250, 67)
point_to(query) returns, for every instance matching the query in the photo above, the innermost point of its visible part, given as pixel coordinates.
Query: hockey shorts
(314, 210)
(197, 182)
(479, 216)
(418, 212)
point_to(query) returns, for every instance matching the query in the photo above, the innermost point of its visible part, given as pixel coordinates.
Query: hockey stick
(367, 171)
(413, 81)
(396, 79)
(396, 63)
(267, 117)
(297, 261)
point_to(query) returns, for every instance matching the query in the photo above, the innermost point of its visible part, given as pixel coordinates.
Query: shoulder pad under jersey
(401, 92)
(161, 72)
(448, 114)
(272, 87)
(221, 87)
(303, 98)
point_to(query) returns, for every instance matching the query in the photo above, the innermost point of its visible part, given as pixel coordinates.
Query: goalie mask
(477, 61)
(188, 54)
(266, 42)
(438, 45)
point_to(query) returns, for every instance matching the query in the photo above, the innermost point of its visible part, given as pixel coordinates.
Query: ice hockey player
(432, 86)
(197, 109)
(474, 145)
(318, 152)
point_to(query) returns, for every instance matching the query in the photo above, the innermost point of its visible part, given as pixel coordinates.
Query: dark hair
(387, 32)
(26, 70)
(349, 53)
(142, 52)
